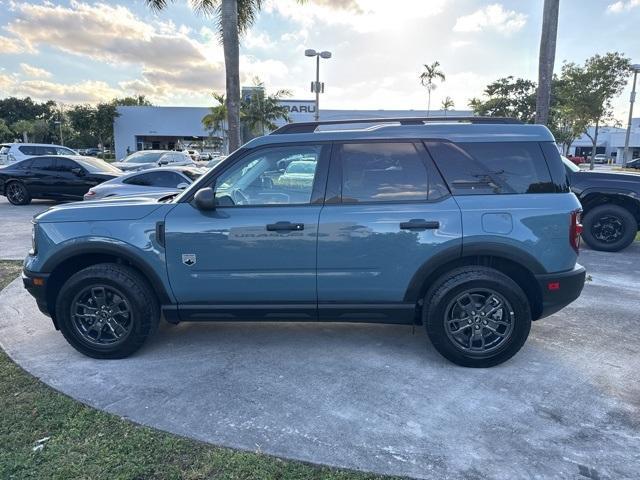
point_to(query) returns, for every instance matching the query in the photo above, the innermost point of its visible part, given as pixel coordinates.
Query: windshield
(570, 165)
(95, 165)
(143, 157)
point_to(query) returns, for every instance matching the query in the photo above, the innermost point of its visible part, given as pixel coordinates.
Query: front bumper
(36, 285)
(560, 289)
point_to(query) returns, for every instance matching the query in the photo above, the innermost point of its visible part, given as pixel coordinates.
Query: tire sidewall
(63, 315)
(27, 197)
(630, 226)
(436, 317)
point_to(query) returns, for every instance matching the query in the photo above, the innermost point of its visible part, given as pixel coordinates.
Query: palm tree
(260, 112)
(235, 17)
(428, 77)
(547, 59)
(447, 104)
(216, 119)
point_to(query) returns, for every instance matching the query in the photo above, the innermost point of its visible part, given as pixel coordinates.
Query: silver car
(146, 182)
(145, 159)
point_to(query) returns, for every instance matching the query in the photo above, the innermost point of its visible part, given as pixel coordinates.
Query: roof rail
(310, 127)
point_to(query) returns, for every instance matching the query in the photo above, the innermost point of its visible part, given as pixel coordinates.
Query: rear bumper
(36, 285)
(560, 289)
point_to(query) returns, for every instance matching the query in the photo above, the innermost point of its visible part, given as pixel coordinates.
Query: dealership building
(169, 128)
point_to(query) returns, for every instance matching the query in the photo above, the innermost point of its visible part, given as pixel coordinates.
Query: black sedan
(56, 178)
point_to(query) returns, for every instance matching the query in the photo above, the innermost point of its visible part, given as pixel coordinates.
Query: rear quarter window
(492, 168)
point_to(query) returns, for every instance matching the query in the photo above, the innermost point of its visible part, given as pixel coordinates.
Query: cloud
(492, 17)
(622, 6)
(165, 53)
(11, 45)
(35, 72)
(83, 92)
(361, 15)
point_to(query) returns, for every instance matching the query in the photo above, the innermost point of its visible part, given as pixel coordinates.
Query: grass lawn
(89, 444)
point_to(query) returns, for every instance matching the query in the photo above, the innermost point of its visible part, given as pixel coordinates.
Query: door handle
(420, 224)
(285, 227)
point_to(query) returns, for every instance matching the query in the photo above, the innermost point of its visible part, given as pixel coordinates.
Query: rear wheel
(609, 228)
(17, 193)
(477, 316)
(107, 311)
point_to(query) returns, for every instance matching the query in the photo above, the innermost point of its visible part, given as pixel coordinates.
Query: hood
(110, 209)
(630, 181)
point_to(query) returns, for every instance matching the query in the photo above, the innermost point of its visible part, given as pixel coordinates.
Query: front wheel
(107, 311)
(477, 317)
(609, 228)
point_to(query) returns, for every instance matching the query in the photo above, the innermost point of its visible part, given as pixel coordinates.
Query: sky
(80, 51)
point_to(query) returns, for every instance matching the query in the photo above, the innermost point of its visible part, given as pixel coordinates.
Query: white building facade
(610, 142)
(168, 128)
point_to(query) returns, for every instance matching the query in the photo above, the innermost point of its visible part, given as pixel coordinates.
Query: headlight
(33, 239)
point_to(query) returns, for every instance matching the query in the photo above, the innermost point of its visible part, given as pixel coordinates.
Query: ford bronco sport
(464, 225)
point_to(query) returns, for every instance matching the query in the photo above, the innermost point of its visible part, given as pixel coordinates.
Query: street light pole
(316, 86)
(632, 99)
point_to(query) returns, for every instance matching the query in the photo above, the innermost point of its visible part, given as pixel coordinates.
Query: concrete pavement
(15, 234)
(376, 397)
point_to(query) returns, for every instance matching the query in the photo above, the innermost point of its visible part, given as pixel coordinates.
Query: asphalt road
(15, 227)
(376, 397)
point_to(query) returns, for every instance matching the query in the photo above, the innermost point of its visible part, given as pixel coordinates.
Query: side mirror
(78, 172)
(205, 199)
(182, 186)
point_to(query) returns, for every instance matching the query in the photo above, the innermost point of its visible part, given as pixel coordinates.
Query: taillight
(575, 229)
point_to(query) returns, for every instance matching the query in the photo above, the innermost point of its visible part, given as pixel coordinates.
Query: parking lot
(372, 397)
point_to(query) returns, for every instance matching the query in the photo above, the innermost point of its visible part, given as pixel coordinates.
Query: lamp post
(636, 69)
(316, 86)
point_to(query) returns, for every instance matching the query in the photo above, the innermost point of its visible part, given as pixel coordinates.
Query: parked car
(145, 182)
(634, 164)
(14, 152)
(611, 206)
(600, 158)
(194, 154)
(93, 152)
(153, 158)
(215, 161)
(468, 227)
(58, 178)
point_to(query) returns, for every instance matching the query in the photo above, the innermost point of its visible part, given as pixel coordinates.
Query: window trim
(334, 181)
(319, 182)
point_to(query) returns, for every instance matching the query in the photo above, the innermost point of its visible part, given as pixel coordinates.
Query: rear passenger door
(42, 177)
(386, 214)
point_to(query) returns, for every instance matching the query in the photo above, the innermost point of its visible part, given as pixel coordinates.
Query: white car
(194, 154)
(14, 152)
(145, 159)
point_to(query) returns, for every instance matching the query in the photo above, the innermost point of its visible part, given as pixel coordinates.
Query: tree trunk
(231, 46)
(546, 59)
(593, 149)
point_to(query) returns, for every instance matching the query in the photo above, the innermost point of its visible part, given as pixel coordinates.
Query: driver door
(254, 256)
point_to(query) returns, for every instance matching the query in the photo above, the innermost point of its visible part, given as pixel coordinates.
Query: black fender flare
(481, 249)
(119, 250)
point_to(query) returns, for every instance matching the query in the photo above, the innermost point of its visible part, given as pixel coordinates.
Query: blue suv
(466, 226)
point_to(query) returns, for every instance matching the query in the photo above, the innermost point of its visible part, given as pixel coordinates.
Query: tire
(448, 337)
(86, 290)
(609, 228)
(17, 193)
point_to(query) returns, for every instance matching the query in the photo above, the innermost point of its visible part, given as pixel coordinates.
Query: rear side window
(44, 164)
(382, 172)
(156, 179)
(492, 168)
(556, 167)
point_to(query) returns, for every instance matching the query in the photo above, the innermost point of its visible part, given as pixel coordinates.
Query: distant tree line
(581, 97)
(76, 126)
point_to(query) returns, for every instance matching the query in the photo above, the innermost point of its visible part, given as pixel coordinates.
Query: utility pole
(316, 86)
(632, 99)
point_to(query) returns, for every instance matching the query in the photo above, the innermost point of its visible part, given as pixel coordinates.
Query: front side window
(492, 168)
(66, 165)
(29, 150)
(64, 151)
(268, 177)
(382, 172)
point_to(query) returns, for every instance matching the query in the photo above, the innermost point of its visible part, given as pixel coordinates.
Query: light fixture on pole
(625, 155)
(316, 86)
